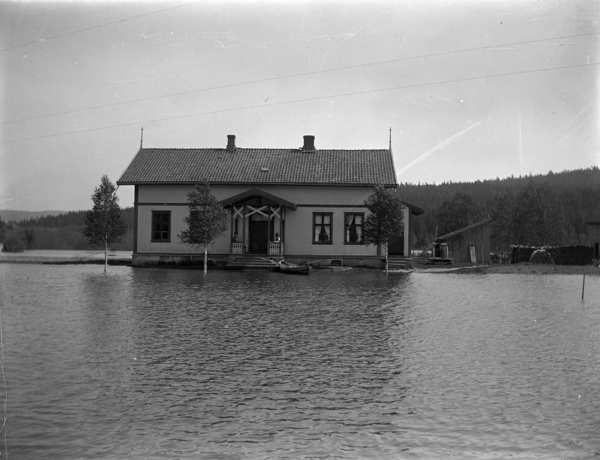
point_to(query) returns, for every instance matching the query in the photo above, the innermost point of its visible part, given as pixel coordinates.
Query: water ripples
(152, 363)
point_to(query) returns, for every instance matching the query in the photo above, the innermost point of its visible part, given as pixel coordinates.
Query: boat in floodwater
(286, 267)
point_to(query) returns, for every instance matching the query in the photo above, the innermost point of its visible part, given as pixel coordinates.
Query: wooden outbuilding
(470, 244)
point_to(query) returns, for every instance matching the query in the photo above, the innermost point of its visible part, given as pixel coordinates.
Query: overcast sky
(471, 89)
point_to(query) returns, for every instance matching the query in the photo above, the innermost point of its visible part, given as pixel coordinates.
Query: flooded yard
(172, 364)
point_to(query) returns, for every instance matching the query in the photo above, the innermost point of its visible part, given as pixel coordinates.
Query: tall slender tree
(28, 237)
(501, 208)
(384, 220)
(457, 213)
(104, 224)
(538, 216)
(206, 222)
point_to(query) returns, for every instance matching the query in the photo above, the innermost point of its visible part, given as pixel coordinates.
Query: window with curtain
(353, 223)
(322, 228)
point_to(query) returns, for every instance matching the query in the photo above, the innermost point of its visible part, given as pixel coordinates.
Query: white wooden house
(301, 204)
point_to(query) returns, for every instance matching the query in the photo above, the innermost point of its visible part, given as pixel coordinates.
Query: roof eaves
(252, 183)
(414, 209)
(257, 192)
(465, 229)
(129, 166)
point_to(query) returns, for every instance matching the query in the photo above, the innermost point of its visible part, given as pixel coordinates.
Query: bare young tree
(104, 224)
(206, 222)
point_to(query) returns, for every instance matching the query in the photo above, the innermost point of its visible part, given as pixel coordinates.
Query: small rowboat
(286, 267)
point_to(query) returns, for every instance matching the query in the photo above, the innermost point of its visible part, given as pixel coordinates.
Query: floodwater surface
(175, 364)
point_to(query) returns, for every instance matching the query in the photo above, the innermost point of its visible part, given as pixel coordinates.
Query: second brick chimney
(230, 142)
(309, 143)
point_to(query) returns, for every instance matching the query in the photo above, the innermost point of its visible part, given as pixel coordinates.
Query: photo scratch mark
(566, 124)
(152, 70)
(571, 132)
(436, 148)
(403, 101)
(443, 99)
(338, 41)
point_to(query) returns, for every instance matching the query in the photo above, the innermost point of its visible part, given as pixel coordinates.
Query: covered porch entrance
(257, 223)
(257, 230)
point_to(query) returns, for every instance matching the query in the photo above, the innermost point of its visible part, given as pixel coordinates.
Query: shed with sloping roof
(470, 244)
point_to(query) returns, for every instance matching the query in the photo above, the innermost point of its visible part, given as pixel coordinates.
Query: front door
(396, 245)
(259, 236)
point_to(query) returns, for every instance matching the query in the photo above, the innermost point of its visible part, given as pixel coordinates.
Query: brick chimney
(309, 143)
(231, 142)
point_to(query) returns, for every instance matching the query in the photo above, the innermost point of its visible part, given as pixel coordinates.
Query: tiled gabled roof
(260, 166)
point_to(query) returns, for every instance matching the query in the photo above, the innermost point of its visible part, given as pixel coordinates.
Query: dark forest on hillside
(568, 199)
(577, 196)
(70, 219)
(64, 231)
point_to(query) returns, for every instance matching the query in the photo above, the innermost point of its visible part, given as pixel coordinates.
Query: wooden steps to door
(250, 263)
(399, 263)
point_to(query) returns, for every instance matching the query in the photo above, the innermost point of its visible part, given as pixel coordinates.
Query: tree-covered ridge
(69, 219)
(63, 231)
(577, 193)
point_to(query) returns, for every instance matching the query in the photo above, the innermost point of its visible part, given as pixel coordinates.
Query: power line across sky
(355, 93)
(43, 40)
(250, 82)
(471, 90)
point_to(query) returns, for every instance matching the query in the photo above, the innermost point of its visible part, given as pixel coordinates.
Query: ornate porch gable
(255, 192)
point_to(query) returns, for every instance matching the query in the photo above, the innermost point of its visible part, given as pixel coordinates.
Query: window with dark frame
(161, 226)
(353, 227)
(322, 228)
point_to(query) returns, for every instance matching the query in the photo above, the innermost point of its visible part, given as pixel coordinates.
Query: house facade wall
(298, 236)
(301, 195)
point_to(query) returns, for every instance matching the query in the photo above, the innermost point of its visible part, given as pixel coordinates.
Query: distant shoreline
(66, 257)
(62, 261)
(540, 269)
(512, 269)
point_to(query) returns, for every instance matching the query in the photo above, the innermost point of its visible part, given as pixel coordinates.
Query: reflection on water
(152, 363)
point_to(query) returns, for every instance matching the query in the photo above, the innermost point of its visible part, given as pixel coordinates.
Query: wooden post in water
(583, 288)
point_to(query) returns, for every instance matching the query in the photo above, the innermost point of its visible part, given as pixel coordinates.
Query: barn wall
(459, 245)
